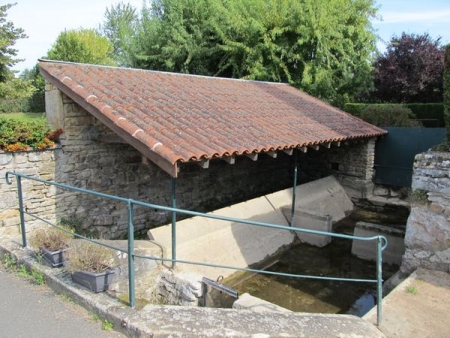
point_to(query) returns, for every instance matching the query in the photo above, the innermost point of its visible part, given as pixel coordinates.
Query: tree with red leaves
(411, 70)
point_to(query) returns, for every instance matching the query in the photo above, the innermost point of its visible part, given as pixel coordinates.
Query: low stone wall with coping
(38, 198)
(427, 238)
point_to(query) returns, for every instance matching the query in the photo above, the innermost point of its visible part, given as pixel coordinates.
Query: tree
(119, 27)
(36, 101)
(410, 70)
(8, 37)
(12, 89)
(82, 45)
(321, 46)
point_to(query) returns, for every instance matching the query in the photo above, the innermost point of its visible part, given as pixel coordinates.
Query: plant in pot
(52, 243)
(91, 265)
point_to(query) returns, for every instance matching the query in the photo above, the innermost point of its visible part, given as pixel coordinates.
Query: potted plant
(52, 242)
(91, 265)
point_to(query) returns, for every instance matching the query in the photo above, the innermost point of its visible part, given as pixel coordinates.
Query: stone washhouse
(132, 133)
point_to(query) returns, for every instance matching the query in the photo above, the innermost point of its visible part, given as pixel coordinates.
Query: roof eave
(170, 168)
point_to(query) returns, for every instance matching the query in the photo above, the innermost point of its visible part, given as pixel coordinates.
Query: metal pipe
(174, 221)
(380, 278)
(21, 213)
(222, 288)
(131, 277)
(294, 188)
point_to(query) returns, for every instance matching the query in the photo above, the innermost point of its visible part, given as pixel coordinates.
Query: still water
(316, 296)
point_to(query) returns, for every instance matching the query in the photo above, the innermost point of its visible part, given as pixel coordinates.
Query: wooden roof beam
(229, 159)
(326, 145)
(314, 146)
(252, 156)
(336, 144)
(289, 151)
(303, 149)
(203, 163)
(272, 154)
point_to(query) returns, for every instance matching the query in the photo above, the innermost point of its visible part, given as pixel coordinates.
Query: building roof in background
(172, 118)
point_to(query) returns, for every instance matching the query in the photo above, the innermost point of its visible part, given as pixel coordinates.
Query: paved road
(28, 310)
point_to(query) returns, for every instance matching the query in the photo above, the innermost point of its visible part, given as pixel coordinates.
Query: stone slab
(325, 196)
(368, 249)
(248, 302)
(226, 243)
(311, 221)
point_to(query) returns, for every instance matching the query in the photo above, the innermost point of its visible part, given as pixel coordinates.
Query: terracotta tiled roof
(174, 118)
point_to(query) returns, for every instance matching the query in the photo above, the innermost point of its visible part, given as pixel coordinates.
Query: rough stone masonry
(427, 238)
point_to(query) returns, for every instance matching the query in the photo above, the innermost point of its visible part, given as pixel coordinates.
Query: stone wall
(38, 198)
(352, 164)
(427, 238)
(87, 161)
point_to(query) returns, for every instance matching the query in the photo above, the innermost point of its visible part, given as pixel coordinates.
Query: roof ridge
(164, 72)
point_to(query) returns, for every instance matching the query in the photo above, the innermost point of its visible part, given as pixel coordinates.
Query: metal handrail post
(131, 277)
(22, 217)
(294, 188)
(379, 280)
(174, 221)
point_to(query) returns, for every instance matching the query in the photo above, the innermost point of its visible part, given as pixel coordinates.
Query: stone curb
(177, 321)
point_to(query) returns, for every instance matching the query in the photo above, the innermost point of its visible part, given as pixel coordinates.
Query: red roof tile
(177, 117)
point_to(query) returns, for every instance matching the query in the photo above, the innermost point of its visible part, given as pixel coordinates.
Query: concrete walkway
(417, 307)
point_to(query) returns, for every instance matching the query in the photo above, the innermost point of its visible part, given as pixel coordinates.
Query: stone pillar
(54, 106)
(427, 238)
(354, 168)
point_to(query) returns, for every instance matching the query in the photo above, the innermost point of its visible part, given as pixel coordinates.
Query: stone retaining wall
(38, 198)
(427, 238)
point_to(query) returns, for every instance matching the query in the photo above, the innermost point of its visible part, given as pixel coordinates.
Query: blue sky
(43, 20)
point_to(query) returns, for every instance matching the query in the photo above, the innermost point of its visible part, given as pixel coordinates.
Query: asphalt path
(28, 310)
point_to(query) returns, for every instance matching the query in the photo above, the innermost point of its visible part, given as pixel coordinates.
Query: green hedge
(429, 114)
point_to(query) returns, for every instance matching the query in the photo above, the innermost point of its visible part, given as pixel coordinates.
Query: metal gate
(395, 152)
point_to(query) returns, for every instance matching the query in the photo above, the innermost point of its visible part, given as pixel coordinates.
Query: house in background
(133, 133)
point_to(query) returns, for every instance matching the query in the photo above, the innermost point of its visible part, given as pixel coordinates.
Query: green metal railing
(381, 240)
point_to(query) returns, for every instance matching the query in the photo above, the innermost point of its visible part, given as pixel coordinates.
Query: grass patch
(107, 325)
(23, 116)
(419, 196)
(412, 290)
(21, 270)
(66, 298)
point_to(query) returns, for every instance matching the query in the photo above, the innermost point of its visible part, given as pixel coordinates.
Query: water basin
(310, 295)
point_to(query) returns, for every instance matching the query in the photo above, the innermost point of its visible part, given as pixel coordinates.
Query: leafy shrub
(21, 135)
(431, 113)
(389, 116)
(88, 256)
(355, 109)
(51, 238)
